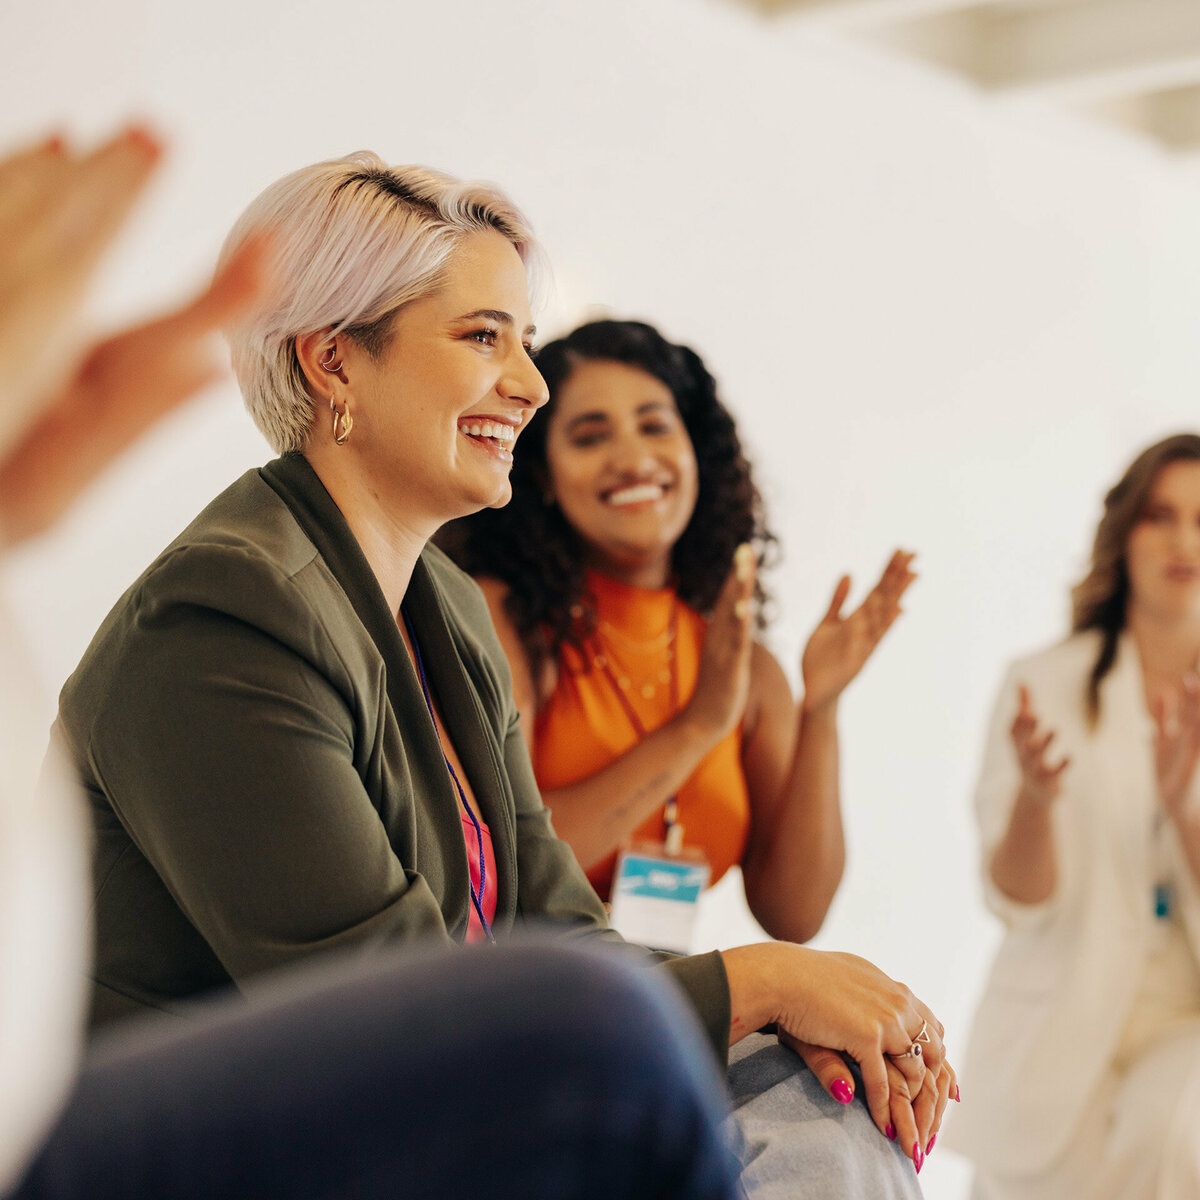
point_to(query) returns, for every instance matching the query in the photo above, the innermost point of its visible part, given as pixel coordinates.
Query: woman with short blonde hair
(297, 728)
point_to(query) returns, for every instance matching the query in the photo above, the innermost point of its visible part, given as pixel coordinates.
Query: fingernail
(957, 1094)
(918, 1157)
(841, 1091)
(891, 1132)
(142, 137)
(929, 1148)
(743, 560)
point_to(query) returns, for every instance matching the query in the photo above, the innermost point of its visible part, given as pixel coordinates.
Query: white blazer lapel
(1125, 739)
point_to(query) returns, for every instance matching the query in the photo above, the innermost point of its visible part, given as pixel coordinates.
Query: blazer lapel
(1126, 785)
(299, 486)
(473, 735)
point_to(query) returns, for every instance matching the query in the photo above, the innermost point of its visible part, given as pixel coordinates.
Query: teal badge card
(654, 898)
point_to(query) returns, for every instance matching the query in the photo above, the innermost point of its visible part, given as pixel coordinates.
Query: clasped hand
(830, 1006)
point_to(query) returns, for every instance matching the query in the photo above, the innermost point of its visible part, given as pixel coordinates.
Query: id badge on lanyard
(656, 893)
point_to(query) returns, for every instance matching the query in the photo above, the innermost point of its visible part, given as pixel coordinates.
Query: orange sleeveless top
(644, 657)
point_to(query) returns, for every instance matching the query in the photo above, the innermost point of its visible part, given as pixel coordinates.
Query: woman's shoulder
(495, 591)
(1055, 677)
(250, 519)
(1070, 656)
(244, 556)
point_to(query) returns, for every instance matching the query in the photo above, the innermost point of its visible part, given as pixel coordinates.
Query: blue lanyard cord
(476, 897)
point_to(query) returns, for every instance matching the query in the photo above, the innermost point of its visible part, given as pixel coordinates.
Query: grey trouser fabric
(800, 1143)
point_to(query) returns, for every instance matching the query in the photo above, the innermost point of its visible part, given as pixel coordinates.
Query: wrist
(697, 729)
(820, 710)
(1182, 814)
(1033, 803)
(750, 994)
(762, 985)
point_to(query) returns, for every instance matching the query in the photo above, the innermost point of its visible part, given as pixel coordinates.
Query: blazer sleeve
(221, 727)
(995, 797)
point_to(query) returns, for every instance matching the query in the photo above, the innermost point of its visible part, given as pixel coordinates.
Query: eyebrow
(642, 409)
(497, 315)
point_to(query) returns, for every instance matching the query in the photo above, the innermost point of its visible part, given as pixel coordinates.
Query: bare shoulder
(494, 590)
(529, 693)
(770, 692)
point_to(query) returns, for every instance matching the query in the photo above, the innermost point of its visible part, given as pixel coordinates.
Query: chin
(492, 498)
(500, 500)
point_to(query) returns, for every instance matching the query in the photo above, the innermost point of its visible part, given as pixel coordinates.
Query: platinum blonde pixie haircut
(355, 241)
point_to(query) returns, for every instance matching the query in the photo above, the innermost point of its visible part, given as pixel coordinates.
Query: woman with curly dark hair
(622, 578)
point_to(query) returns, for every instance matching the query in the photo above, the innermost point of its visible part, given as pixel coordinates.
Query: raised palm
(840, 645)
(1177, 744)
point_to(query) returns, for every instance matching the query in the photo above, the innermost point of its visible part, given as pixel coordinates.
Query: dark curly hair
(529, 545)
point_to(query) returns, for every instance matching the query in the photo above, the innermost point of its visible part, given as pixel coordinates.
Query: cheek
(1142, 552)
(571, 476)
(689, 478)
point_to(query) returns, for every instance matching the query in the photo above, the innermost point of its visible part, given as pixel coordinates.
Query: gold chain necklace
(663, 645)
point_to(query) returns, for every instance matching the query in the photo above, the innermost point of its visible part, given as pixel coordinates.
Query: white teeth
(638, 494)
(488, 429)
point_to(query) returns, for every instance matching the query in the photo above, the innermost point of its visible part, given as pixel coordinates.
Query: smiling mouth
(496, 437)
(639, 493)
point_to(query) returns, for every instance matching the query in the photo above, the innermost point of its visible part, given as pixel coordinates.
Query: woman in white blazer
(1083, 1072)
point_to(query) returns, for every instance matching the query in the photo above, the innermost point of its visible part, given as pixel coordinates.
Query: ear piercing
(343, 422)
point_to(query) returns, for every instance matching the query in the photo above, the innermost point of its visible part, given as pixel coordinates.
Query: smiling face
(437, 413)
(1162, 555)
(622, 469)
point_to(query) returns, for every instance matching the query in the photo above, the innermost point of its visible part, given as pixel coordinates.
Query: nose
(522, 381)
(633, 453)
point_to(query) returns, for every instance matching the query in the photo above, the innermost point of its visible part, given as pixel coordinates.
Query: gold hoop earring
(343, 423)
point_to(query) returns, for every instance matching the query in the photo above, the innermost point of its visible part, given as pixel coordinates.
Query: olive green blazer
(264, 779)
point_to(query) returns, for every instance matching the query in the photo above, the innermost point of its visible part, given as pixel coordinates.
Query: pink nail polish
(918, 1157)
(890, 1131)
(841, 1091)
(957, 1094)
(929, 1148)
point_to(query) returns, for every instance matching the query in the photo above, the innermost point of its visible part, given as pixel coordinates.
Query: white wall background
(943, 324)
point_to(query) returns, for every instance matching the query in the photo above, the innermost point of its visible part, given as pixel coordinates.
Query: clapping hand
(1177, 744)
(58, 212)
(839, 646)
(1041, 779)
(719, 700)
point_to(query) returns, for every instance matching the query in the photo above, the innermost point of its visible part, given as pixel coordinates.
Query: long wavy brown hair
(1099, 601)
(529, 545)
